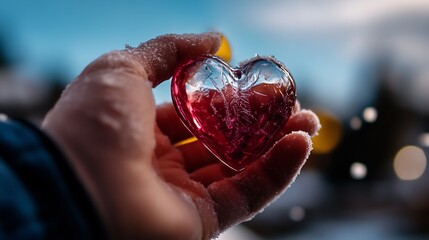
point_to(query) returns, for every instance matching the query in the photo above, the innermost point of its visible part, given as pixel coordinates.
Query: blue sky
(325, 44)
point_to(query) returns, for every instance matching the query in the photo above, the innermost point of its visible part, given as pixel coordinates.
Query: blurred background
(363, 66)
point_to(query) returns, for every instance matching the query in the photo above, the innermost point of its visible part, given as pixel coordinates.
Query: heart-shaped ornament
(236, 113)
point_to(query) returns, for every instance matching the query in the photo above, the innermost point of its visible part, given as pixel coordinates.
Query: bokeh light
(370, 114)
(424, 139)
(329, 135)
(297, 213)
(355, 123)
(3, 117)
(358, 170)
(224, 51)
(409, 163)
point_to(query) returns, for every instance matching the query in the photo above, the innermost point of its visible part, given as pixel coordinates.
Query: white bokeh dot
(297, 213)
(3, 117)
(370, 114)
(358, 170)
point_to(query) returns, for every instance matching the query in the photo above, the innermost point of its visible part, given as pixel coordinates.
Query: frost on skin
(142, 186)
(149, 52)
(242, 196)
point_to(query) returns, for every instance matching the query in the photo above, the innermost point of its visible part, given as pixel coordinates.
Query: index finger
(156, 59)
(160, 56)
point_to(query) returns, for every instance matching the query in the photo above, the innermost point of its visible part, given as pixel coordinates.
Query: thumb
(242, 196)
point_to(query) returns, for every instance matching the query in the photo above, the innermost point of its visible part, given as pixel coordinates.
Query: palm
(179, 168)
(194, 171)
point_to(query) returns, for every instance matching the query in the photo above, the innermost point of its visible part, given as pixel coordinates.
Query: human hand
(122, 147)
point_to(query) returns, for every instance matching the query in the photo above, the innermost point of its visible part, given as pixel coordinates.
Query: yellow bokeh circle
(224, 51)
(329, 135)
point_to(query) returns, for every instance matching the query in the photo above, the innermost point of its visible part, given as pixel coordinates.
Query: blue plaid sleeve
(40, 196)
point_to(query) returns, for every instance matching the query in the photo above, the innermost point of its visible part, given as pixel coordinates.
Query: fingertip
(295, 144)
(288, 156)
(216, 40)
(191, 45)
(314, 121)
(160, 56)
(303, 120)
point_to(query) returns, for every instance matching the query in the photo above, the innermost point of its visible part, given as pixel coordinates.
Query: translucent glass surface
(236, 113)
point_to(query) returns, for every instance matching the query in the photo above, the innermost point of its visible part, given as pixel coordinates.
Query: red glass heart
(236, 113)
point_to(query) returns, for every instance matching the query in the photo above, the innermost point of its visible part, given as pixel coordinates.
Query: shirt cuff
(64, 207)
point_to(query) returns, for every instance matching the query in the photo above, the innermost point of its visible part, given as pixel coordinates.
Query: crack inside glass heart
(237, 113)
